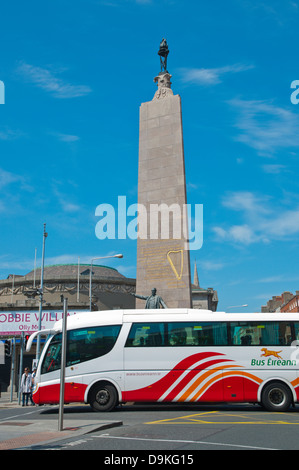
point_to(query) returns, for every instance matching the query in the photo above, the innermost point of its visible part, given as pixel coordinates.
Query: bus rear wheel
(276, 396)
(103, 397)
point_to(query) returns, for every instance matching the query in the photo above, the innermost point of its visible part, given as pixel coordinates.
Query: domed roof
(59, 271)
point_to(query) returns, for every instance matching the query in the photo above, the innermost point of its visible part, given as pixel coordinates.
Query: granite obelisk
(163, 261)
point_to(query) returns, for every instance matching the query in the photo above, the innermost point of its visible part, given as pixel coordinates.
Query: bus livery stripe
(164, 391)
(201, 379)
(188, 378)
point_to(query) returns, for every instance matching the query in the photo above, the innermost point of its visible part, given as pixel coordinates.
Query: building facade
(203, 298)
(110, 289)
(275, 304)
(292, 305)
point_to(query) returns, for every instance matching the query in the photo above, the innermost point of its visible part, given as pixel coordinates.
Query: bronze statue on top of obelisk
(162, 243)
(163, 53)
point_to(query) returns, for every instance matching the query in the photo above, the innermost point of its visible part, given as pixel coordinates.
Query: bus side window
(296, 327)
(266, 333)
(83, 344)
(146, 335)
(177, 334)
(197, 334)
(52, 359)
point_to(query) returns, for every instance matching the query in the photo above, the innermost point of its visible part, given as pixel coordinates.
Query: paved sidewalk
(23, 434)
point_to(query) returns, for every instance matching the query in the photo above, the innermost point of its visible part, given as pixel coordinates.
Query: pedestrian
(33, 374)
(26, 386)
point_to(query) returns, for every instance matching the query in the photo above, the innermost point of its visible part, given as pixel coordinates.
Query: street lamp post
(236, 306)
(40, 290)
(90, 273)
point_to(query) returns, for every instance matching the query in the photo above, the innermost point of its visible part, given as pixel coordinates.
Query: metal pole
(63, 361)
(21, 366)
(41, 295)
(90, 274)
(13, 287)
(90, 281)
(34, 277)
(78, 281)
(12, 372)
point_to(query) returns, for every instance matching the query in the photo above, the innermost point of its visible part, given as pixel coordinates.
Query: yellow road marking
(183, 417)
(196, 418)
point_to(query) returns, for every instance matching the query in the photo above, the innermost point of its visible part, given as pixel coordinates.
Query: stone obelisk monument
(163, 260)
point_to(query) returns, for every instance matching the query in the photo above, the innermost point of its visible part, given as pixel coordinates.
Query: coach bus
(172, 355)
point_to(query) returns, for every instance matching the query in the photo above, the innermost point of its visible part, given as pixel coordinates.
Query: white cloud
(191, 186)
(84, 259)
(65, 200)
(284, 224)
(12, 187)
(265, 297)
(241, 234)
(65, 203)
(68, 137)
(266, 127)
(116, 3)
(285, 278)
(263, 220)
(270, 279)
(211, 76)
(9, 134)
(211, 265)
(67, 259)
(275, 169)
(46, 79)
(6, 178)
(70, 207)
(245, 201)
(8, 262)
(3, 208)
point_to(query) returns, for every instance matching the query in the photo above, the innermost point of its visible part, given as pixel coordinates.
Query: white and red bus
(172, 355)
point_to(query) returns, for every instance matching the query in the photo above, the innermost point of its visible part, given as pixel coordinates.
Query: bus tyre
(276, 396)
(103, 397)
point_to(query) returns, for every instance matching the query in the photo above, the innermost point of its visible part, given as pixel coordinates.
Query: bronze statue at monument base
(152, 301)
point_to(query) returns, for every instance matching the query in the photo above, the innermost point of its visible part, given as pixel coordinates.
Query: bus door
(294, 357)
(49, 385)
(233, 386)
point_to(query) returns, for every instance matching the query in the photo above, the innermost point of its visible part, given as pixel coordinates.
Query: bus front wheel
(103, 397)
(276, 396)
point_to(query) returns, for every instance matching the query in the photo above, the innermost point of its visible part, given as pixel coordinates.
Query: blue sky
(75, 74)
